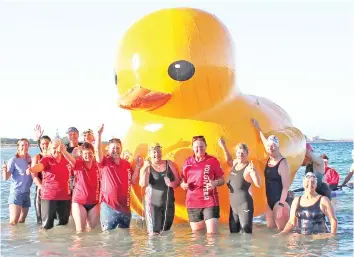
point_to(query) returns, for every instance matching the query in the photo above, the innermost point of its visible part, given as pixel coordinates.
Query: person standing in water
(277, 180)
(201, 176)
(116, 180)
(239, 182)
(160, 177)
(44, 142)
(19, 197)
(308, 212)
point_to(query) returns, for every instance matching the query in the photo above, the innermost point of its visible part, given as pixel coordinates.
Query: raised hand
(256, 124)
(139, 161)
(100, 129)
(221, 142)
(38, 131)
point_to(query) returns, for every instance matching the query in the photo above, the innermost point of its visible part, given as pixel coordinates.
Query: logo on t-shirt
(206, 180)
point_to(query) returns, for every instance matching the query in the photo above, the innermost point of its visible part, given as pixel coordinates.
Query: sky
(57, 61)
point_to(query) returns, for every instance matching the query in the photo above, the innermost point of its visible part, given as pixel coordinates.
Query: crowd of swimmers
(77, 179)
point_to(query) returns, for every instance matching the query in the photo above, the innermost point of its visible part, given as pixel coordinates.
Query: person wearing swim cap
(308, 212)
(160, 177)
(316, 165)
(350, 174)
(277, 180)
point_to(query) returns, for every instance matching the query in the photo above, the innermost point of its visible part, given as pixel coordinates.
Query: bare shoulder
(352, 167)
(284, 165)
(325, 200)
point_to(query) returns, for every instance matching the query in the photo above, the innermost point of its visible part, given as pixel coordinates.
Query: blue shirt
(20, 181)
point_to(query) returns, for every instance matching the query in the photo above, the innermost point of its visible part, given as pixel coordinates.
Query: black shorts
(199, 214)
(52, 209)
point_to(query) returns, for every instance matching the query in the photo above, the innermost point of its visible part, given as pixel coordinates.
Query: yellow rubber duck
(175, 73)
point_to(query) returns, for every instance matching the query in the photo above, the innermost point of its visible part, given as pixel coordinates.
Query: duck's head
(175, 62)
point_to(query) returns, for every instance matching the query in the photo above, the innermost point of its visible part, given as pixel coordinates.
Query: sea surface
(29, 240)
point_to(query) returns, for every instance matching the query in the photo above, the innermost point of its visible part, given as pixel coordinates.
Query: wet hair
(18, 144)
(324, 156)
(87, 146)
(43, 138)
(201, 138)
(242, 146)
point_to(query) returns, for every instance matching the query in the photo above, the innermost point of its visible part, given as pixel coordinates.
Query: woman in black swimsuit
(308, 212)
(239, 182)
(277, 180)
(160, 177)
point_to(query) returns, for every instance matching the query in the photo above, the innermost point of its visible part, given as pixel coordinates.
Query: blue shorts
(111, 219)
(22, 199)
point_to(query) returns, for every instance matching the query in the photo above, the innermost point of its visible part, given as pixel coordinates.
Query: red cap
(308, 146)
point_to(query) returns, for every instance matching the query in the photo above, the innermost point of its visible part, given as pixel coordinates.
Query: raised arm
(292, 220)
(318, 161)
(329, 211)
(5, 172)
(227, 154)
(262, 136)
(349, 176)
(98, 143)
(177, 180)
(144, 174)
(39, 167)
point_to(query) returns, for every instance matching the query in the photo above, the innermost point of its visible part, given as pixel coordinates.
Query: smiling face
(242, 153)
(22, 147)
(54, 149)
(44, 145)
(185, 59)
(310, 182)
(155, 154)
(114, 150)
(199, 148)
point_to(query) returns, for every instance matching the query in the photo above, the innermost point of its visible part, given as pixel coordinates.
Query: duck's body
(184, 88)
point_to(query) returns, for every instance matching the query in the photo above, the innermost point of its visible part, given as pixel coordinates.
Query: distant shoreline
(329, 141)
(14, 145)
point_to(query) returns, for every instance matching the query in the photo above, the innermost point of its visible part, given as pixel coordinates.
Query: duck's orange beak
(139, 98)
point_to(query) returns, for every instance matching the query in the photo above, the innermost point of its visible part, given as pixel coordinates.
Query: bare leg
(92, 217)
(281, 222)
(79, 215)
(23, 215)
(14, 211)
(212, 226)
(195, 226)
(269, 218)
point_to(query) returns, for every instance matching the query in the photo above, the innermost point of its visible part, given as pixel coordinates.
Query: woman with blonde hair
(239, 181)
(19, 198)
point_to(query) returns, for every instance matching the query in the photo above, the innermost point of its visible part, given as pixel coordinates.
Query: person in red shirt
(116, 180)
(331, 176)
(55, 191)
(201, 175)
(87, 187)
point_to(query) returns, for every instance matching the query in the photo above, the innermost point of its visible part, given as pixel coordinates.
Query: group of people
(78, 179)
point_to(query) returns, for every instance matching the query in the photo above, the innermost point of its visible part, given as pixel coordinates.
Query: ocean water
(29, 240)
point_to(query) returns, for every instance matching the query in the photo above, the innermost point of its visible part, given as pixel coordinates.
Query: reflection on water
(29, 240)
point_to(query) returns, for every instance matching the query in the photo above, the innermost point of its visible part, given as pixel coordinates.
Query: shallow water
(29, 240)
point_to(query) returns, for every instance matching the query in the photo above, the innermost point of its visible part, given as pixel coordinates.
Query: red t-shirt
(197, 175)
(87, 183)
(55, 182)
(115, 184)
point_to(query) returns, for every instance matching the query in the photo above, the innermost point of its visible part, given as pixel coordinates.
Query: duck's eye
(181, 70)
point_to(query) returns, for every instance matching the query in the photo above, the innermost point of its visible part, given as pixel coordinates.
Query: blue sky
(57, 61)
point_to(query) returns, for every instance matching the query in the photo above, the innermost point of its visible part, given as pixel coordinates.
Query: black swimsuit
(310, 219)
(274, 185)
(241, 202)
(159, 201)
(37, 197)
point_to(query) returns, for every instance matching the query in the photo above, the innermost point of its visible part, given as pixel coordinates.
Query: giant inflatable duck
(175, 73)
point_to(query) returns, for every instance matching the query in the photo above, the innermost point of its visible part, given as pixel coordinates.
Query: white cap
(273, 140)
